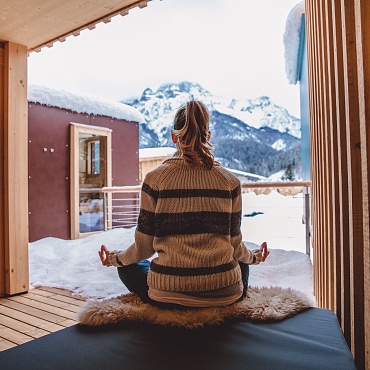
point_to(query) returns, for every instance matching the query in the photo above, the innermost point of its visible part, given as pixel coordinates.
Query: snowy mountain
(253, 135)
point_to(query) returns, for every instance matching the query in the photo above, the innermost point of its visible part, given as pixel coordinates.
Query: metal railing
(122, 203)
(121, 206)
(282, 187)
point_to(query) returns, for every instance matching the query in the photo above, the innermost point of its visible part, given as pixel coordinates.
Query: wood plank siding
(2, 173)
(15, 170)
(35, 314)
(40, 23)
(339, 80)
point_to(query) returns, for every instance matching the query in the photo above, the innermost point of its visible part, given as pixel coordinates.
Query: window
(94, 157)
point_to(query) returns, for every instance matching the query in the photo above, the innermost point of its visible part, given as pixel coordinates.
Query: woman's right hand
(103, 254)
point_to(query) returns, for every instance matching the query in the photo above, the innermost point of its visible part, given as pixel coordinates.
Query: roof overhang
(40, 23)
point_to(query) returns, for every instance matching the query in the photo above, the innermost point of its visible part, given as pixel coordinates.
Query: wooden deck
(39, 312)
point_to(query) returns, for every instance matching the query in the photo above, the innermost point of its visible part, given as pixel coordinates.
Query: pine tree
(289, 174)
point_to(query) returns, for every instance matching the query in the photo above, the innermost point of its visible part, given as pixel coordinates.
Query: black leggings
(134, 277)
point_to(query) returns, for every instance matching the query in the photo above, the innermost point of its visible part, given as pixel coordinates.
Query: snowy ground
(279, 223)
(75, 264)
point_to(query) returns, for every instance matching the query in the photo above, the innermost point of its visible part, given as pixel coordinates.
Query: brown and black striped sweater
(191, 218)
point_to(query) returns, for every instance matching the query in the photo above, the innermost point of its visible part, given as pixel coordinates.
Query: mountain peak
(171, 90)
(147, 94)
(255, 123)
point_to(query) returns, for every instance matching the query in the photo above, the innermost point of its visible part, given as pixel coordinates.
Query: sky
(75, 264)
(231, 48)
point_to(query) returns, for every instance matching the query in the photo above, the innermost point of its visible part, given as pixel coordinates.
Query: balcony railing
(296, 189)
(123, 209)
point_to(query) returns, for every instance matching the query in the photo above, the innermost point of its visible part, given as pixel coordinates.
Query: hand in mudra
(103, 254)
(264, 250)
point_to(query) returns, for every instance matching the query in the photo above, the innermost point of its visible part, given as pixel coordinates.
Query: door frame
(76, 129)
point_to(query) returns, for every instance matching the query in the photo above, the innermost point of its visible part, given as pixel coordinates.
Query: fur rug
(262, 304)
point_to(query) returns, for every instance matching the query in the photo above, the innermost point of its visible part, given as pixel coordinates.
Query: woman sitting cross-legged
(190, 216)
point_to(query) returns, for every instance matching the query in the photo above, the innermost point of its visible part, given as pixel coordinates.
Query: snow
(83, 103)
(75, 264)
(280, 222)
(156, 152)
(291, 41)
(253, 117)
(247, 174)
(279, 145)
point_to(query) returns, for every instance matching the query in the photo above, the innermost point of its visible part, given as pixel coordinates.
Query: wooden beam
(342, 174)
(2, 217)
(329, 152)
(90, 14)
(362, 17)
(334, 205)
(355, 208)
(312, 82)
(326, 160)
(16, 169)
(320, 221)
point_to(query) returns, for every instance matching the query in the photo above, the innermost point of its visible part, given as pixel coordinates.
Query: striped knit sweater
(191, 218)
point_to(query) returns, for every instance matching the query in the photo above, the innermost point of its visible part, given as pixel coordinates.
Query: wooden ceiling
(39, 23)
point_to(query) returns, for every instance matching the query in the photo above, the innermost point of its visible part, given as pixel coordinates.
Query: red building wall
(49, 164)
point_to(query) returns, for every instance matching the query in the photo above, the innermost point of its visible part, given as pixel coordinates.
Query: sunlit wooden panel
(2, 224)
(341, 177)
(16, 169)
(326, 179)
(362, 15)
(311, 55)
(334, 205)
(330, 151)
(355, 178)
(41, 22)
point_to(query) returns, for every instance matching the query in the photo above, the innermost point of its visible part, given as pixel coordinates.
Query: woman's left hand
(265, 251)
(103, 254)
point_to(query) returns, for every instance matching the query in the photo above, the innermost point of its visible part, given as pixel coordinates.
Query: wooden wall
(339, 77)
(2, 221)
(362, 12)
(148, 164)
(49, 171)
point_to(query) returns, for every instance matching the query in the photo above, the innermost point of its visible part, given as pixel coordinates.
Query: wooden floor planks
(37, 313)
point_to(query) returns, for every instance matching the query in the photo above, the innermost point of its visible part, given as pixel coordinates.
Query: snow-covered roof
(83, 103)
(156, 152)
(291, 41)
(247, 174)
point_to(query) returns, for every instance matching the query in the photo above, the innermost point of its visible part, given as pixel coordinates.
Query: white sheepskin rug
(274, 303)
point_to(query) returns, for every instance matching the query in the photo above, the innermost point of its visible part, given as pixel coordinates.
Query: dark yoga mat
(309, 340)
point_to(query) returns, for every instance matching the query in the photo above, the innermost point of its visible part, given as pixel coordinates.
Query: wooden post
(2, 222)
(14, 226)
(334, 205)
(340, 174)
(355, 206)
(362, 16)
